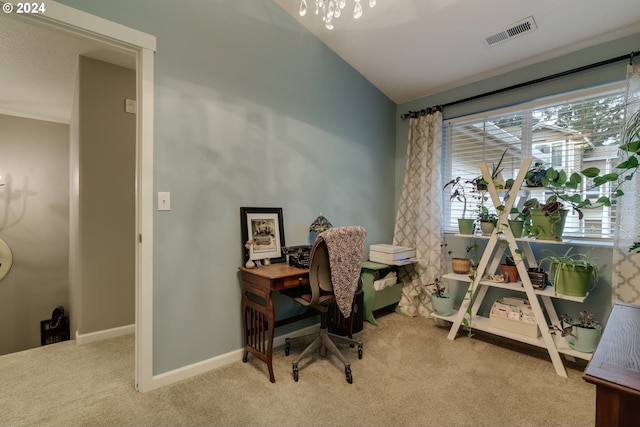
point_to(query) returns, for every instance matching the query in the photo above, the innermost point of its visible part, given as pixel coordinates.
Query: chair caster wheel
(295, 373)
(360, 351)
(347, 372)
(287, 347)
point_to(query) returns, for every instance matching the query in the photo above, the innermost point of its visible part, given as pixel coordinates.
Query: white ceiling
(407, 48)
(410, 49)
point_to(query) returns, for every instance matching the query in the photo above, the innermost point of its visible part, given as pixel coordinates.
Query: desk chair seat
(321, 296)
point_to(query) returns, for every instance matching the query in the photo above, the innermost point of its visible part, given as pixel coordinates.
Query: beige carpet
(410, 375)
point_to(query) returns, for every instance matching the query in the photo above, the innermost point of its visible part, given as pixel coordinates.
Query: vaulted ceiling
(410, 49)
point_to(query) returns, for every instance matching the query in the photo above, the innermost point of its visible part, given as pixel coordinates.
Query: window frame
(603, 91)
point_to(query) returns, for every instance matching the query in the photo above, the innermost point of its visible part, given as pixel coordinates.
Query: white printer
(392, 255)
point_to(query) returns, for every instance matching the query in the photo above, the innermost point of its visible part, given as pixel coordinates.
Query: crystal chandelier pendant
(332, 9)
(357, 11)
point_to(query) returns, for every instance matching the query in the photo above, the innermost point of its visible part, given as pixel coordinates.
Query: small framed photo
(263, 226)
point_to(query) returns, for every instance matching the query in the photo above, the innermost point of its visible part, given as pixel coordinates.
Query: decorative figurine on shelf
(318, 225)
(249, 246)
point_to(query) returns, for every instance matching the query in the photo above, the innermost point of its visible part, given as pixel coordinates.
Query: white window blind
(570, 132)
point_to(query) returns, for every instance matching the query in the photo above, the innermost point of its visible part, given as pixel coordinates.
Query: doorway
(114, 38)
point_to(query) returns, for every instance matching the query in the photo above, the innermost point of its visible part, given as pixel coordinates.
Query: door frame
(143, 46)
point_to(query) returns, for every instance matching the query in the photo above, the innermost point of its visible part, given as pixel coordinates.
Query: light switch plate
(130, 106)
(164, 201)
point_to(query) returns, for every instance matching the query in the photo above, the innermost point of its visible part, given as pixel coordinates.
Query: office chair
(334, 275)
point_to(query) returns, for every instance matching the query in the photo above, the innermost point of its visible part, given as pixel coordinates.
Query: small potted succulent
(582, 334)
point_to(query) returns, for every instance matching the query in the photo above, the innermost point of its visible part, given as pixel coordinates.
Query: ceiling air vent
(519, 28)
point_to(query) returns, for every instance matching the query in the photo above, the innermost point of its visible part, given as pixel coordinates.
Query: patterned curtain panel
(626, 265)
(419, 217)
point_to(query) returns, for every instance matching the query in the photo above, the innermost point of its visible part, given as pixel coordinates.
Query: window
(571, 132)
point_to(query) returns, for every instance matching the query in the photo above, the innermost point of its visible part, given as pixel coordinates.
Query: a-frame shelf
(489, 264)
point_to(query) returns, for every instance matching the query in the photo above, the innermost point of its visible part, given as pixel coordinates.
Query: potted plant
(461, 265)
(534, 175)
(488, 220)
(571, 273)
(496, 176)
(509, 270)
(517, 220)
(546, 219)
(441, 301)
(460, 186)
(581, 334)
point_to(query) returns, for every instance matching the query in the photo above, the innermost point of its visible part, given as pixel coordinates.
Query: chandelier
(332, 9)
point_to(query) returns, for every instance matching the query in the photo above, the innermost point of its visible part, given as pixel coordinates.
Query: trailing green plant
(473, 273)
(565, 185)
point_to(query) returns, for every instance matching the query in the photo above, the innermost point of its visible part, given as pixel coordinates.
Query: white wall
(34, 221)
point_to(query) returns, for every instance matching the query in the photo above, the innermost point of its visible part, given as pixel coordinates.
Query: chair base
(325, 342)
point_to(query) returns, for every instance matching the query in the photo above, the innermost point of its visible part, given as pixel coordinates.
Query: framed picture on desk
(265, 227)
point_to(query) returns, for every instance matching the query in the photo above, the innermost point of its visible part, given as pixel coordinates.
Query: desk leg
(245, 355)
(271, 321)
(258, 322)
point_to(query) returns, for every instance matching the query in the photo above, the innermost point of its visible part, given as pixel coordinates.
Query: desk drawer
(289, 282)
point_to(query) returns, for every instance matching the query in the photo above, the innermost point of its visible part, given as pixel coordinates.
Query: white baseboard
(201, 367)
(105, 334)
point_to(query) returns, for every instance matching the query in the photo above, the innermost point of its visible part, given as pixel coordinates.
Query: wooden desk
(615, 369)
(258, 316)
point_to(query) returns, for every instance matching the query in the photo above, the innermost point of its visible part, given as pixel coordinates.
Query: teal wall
(250, 110)
(599, 301)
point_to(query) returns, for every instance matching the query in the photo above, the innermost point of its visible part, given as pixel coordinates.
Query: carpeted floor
(410, 375)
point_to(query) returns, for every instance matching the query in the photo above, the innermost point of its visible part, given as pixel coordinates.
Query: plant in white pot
(571, 273)
(582, 334)
(441, 301)
(488, 220)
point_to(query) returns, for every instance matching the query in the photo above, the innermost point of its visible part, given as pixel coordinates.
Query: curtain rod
(519, 85)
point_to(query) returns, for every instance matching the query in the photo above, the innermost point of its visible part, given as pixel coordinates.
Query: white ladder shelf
(489, 264)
